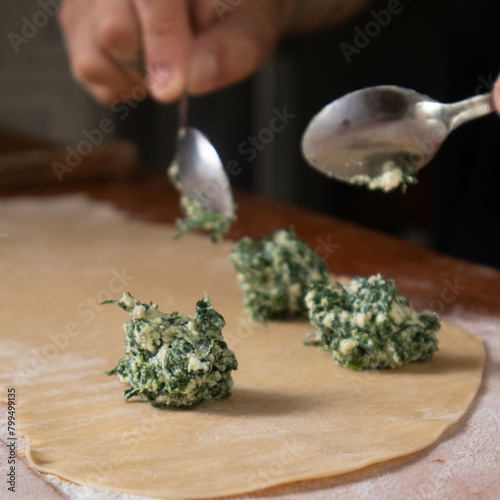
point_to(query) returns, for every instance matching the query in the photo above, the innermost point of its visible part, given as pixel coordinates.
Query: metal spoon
(198, 170)
(367, 131)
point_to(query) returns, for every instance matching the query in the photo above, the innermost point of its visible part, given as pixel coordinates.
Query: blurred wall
(37, 93)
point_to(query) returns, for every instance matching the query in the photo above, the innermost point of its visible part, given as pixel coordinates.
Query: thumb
(233, 47)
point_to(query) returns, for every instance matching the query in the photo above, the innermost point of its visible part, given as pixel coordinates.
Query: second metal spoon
(363, 132)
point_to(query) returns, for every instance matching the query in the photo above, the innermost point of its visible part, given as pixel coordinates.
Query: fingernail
(164, 82)
(203, 70)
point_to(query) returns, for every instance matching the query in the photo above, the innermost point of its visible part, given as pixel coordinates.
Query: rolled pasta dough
(294, 413)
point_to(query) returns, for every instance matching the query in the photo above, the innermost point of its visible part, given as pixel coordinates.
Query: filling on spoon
(391, 176)
(197, 215)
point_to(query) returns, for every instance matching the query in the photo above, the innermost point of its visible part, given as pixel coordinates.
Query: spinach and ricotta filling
(174, 359)
(197, 214)
(274, 274)
(368, 324)
(390, 178)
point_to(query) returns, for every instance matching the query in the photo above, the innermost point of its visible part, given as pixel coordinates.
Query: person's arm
(198, 45)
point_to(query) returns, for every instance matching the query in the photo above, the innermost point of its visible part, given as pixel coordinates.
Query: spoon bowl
(197, 170)
(386, 127)
(200, 172)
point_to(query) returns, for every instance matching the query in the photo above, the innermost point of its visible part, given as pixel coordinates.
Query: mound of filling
(275, 273)
(368, 324)
(174, 359)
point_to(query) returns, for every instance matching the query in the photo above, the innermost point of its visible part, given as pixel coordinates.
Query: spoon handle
(183, 110)
(461, 112)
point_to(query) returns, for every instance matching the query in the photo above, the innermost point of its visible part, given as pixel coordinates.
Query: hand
(111, 43)
(197, 45)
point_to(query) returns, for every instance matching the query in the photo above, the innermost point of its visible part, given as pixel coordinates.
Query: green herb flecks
(275, 273)
(368, 324)
(173, 359)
